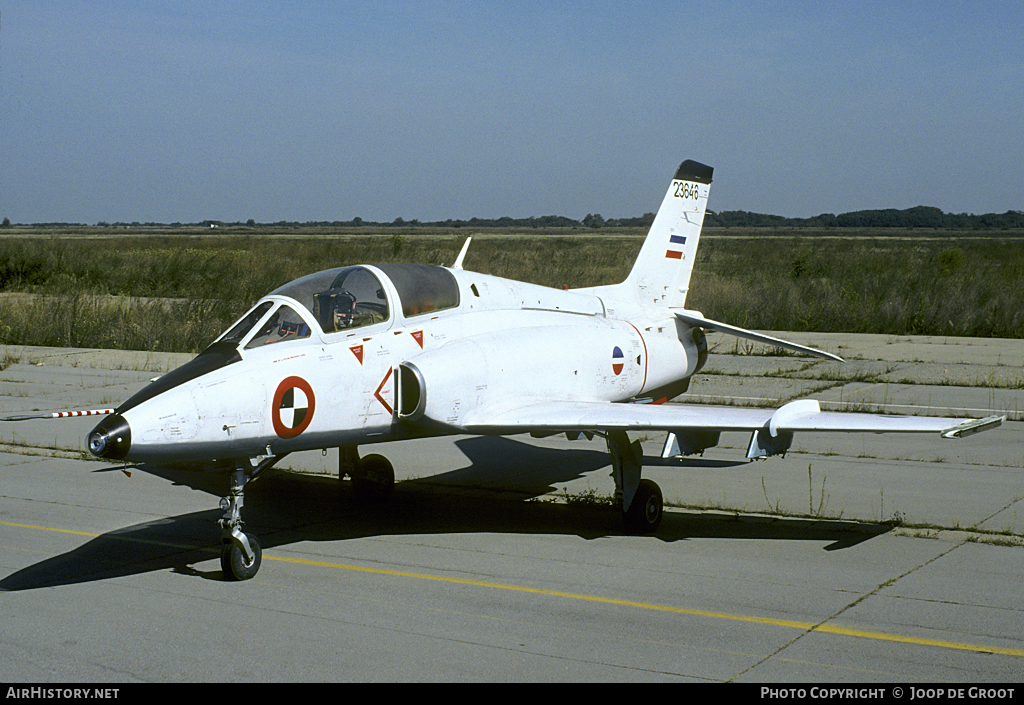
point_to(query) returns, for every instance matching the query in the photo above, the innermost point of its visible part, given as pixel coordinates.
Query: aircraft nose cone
(111, 439)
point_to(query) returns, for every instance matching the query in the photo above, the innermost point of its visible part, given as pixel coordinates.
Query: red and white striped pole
(58, 414)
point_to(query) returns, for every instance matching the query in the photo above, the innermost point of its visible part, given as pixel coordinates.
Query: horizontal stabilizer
(691, 318)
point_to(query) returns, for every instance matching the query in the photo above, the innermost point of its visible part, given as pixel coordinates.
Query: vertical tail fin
(661, 273)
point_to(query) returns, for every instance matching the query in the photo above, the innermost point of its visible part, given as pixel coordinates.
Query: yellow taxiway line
(786, 623)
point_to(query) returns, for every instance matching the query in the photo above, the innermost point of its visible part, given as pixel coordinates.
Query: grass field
(176, 290)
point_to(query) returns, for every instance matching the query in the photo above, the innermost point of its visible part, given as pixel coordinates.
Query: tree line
(917, 217)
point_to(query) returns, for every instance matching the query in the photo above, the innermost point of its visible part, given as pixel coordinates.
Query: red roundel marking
(294, 403)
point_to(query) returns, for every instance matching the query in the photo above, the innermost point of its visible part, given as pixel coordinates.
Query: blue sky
(186, 111)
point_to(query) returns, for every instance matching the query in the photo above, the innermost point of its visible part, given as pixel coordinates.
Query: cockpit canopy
(346, 298)
(422, 288)
(354, 298)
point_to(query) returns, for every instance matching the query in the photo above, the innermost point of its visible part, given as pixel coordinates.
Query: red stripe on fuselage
(644, 342)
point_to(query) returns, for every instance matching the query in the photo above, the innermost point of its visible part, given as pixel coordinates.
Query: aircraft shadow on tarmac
(491, 495)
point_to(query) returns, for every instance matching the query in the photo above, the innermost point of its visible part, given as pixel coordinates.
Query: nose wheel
(240, 554)
(236, 563)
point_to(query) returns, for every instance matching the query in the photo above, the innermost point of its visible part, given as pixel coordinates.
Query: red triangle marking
(358, 352)
(418, 337)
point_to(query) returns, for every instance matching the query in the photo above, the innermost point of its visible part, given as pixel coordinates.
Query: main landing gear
(240, 554)
(373, 480)
(642, 502)
(373, 477)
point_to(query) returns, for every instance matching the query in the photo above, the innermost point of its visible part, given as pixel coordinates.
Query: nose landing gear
(241, 554)
(236, 561)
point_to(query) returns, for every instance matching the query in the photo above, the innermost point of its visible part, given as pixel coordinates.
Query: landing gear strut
(641, 500)
(240, 554)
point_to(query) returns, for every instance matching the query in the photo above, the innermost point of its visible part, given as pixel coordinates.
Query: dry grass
(185, 288)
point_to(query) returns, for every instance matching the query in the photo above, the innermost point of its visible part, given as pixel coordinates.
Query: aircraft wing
(772, 428)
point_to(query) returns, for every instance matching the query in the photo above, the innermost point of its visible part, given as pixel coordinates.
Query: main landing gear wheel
(644, 514)
(373, 478)
(234, 563)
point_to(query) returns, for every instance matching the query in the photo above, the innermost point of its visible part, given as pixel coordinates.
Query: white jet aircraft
(363, 354)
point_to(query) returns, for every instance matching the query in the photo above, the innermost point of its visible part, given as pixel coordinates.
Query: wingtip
(969, 428)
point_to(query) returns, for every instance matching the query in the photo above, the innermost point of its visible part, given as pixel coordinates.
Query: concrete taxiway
(854, 558)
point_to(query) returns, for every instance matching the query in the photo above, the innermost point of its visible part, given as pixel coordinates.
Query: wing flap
(561, 416)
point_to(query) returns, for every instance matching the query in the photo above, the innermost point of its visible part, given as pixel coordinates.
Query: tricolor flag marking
(618, 359)
(675, 240)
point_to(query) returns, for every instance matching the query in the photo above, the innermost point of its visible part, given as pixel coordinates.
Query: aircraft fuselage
(411, 374)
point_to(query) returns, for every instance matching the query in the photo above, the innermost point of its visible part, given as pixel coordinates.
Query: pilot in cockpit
(335, 309)
(343, 307)
(355, 299)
